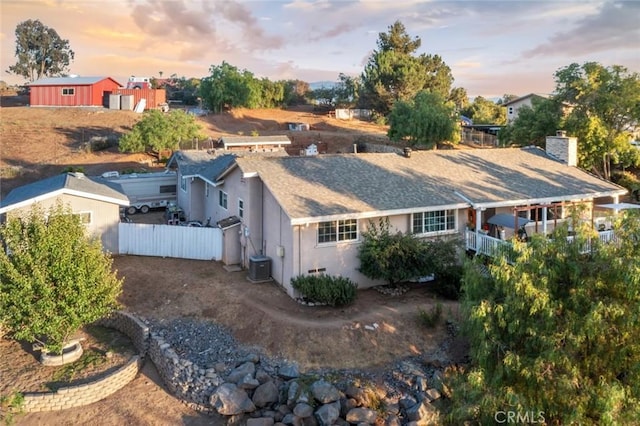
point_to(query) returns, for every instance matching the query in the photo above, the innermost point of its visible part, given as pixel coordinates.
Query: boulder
(265, 394)
(328, 414)
(296, 394)
(241, 371)
(423, 413)
(361, 415)
(289, 371)
(303, 410)
(230, 400)
(260, 421)
(324, 392)
(248, 382)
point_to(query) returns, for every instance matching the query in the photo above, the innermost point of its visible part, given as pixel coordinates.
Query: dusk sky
(492, 48)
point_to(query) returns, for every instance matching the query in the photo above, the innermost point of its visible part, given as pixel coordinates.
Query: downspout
(262, 242)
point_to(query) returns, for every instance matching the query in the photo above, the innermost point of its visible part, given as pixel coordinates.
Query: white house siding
(104, 217)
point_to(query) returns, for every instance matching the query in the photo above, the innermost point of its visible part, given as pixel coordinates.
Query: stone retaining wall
(131, 326)
(79, 395)
(185, 380)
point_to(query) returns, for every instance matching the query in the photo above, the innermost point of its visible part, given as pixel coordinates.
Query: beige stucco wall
(104, 217)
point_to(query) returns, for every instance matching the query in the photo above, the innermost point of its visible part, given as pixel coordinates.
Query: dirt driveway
(258, 315)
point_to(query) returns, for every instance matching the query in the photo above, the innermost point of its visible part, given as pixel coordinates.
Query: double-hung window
(223, 199)
(434, 222)
(240, 208)
(338, 231)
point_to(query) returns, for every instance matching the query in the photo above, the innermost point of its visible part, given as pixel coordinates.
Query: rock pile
(202, 365)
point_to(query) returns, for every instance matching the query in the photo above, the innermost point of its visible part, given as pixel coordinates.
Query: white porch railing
(484, 244)
(490, 246)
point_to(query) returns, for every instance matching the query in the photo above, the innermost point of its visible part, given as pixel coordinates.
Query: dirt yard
(259, 315)
(40, 142)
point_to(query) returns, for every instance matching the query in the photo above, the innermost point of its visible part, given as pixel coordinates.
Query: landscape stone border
(87, 393)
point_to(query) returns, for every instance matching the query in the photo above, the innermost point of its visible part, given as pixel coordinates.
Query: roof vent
(407, 152)
(561, 133)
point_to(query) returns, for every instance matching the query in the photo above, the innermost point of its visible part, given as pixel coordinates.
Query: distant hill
(322, 84)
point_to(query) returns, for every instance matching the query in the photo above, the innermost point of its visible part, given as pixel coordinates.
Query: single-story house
(72, 91)
(97, 203)
(307, 214)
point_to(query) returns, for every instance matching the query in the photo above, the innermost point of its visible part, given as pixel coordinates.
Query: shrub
(333, 291)
(431, 318)
(448, 282)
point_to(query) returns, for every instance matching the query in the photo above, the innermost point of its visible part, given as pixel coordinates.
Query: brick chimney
(563, 148)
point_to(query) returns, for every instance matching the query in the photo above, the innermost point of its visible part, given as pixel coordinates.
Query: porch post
(478, 219)
(544, 220)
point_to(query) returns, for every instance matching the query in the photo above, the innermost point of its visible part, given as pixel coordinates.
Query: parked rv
(146, 191)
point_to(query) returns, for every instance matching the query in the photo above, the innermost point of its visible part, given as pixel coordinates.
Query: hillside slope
(40, 142)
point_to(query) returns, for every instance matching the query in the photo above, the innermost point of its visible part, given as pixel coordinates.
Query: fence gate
(182, 242)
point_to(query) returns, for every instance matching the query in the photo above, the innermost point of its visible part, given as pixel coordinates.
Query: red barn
(72, 91)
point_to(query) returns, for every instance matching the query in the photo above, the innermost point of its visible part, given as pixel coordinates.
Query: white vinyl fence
(182, 242)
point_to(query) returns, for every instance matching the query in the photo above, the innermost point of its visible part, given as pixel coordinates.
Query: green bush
(448, 282)
(431, 318)
(333, 291)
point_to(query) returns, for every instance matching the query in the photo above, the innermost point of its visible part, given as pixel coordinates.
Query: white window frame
(449, 227)
(223, 199)
(183, 184)
(240, 208)
(70, 91)
(83, 214)
(338, 234)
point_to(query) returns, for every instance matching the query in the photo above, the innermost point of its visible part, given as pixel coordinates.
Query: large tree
(54, 278)
(555, 335)
(157, 131)
(424, 121)
(604, 107)
(229, 87)
(484, 111)
(394, 73)
(40, 51)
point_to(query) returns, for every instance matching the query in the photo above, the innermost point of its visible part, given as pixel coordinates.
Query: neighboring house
(515, 104)
(72, 91)
(98, 204)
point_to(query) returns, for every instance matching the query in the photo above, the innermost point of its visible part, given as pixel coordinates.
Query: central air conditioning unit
(259, 268)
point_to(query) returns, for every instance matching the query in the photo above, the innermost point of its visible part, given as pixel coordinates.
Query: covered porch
(496, 239)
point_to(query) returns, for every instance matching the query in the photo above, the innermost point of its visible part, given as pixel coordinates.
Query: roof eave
(63, 191)
(547, 200)
(375, 213)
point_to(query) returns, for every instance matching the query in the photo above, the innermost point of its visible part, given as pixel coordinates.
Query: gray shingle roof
(332, 185)
(202, 163)
(76, 183)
